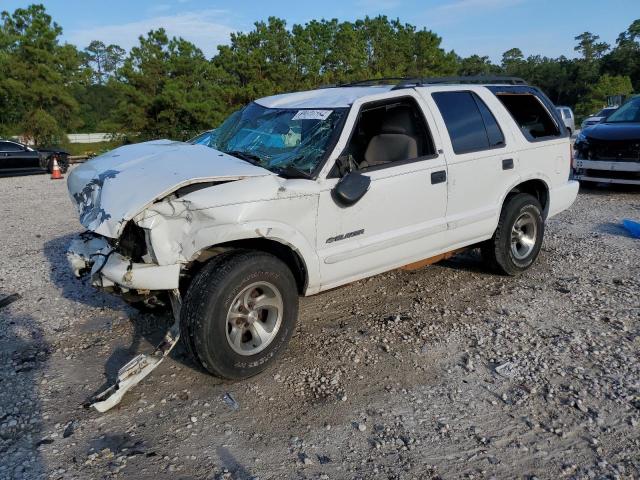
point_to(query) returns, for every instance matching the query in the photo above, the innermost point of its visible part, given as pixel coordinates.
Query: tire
(511, 256)
(63, 163)
(219, 329)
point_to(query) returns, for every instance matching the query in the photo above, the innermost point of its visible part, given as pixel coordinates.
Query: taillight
(570, 156)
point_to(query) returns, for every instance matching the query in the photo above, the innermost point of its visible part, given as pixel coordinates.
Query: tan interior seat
(396, 141)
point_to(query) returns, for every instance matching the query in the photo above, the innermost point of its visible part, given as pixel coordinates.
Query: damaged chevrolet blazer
(300, 193)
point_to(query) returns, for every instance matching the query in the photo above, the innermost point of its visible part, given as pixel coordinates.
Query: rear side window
(530, 115)
(471, 125)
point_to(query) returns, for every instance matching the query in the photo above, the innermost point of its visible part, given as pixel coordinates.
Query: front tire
(516, 243)
(239, 313)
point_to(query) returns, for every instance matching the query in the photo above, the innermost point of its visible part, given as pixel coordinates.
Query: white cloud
(206, 29)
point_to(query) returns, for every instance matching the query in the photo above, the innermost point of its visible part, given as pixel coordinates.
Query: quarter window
(530, 115)
(471, 125)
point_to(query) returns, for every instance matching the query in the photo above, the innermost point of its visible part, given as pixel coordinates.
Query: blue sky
(485, 27)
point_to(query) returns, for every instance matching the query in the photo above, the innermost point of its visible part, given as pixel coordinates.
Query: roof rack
(371, 82)
(405, 82)
(471, 79)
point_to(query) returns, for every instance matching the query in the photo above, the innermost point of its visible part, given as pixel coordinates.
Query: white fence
(88, 137)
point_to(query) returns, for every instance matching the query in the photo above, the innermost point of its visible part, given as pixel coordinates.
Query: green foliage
(42, 129)
(477, 65)
(589, 47)
(596, 98)
(625, 58)
(35, 71)
(92, 148)
(165, 87)
(103, 60)
(272, 59)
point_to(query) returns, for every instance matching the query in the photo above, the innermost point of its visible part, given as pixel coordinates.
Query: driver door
(400, 218)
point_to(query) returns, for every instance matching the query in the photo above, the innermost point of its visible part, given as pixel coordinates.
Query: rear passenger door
(481, 163)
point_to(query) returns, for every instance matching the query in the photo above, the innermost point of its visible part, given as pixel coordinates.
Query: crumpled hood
(614, 131)
(111, 189)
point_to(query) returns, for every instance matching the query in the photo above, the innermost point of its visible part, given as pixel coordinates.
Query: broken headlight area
(132, 243)
(121, 265)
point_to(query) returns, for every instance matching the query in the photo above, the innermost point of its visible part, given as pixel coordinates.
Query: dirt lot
(445, 372)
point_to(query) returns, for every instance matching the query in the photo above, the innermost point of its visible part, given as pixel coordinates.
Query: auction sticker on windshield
(312, 115)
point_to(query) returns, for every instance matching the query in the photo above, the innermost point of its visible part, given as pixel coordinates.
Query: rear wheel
(239, 313)
(63, 163)
(517, 240)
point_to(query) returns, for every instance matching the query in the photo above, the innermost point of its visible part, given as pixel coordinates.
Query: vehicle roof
(343, 97)
(334, 97)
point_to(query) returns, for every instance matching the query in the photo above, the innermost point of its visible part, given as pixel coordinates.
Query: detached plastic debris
(230, 401)
(9, 299)
(633, 227)
(140, 366)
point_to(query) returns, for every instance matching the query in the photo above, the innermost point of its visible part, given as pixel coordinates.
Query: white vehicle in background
(596, 118)
(568, 118)
(303, 192)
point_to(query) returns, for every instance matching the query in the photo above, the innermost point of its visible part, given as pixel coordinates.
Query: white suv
(303, 192)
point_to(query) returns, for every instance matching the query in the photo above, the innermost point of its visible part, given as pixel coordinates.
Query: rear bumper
(92, 254)
(563, 197)
(627, 173)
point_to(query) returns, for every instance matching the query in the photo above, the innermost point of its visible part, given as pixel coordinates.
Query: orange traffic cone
(56, 174)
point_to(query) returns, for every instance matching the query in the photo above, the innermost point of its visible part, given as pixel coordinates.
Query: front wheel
(239, 313)
(517, 240)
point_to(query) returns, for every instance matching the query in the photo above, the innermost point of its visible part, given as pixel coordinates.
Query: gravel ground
(444, 372)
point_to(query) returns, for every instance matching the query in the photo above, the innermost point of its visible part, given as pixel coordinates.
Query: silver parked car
(592, 120)
(567, 117)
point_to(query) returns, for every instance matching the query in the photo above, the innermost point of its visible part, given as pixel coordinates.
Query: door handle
(507, 164)
(438, 177)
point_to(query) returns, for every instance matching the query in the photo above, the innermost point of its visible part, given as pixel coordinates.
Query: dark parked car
(610, 151)
(17, 158)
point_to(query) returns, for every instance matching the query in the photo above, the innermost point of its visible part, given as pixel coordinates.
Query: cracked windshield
(290, 142)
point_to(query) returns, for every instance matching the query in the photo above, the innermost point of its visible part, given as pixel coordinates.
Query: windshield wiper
(292, 172)
(247, 156)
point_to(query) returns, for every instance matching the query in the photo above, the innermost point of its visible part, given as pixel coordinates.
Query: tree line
(166, 86)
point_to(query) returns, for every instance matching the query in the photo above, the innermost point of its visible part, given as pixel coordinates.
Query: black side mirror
(350, 189)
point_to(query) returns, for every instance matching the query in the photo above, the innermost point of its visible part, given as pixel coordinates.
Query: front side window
(627, 113)
(10, 147)
(389, 132)
(530, 115)
(470, 123)
(291, 142)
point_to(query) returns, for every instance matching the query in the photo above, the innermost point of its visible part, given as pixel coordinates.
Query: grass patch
(91, 148)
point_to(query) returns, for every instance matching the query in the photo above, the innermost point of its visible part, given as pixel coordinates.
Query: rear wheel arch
(536, 187)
